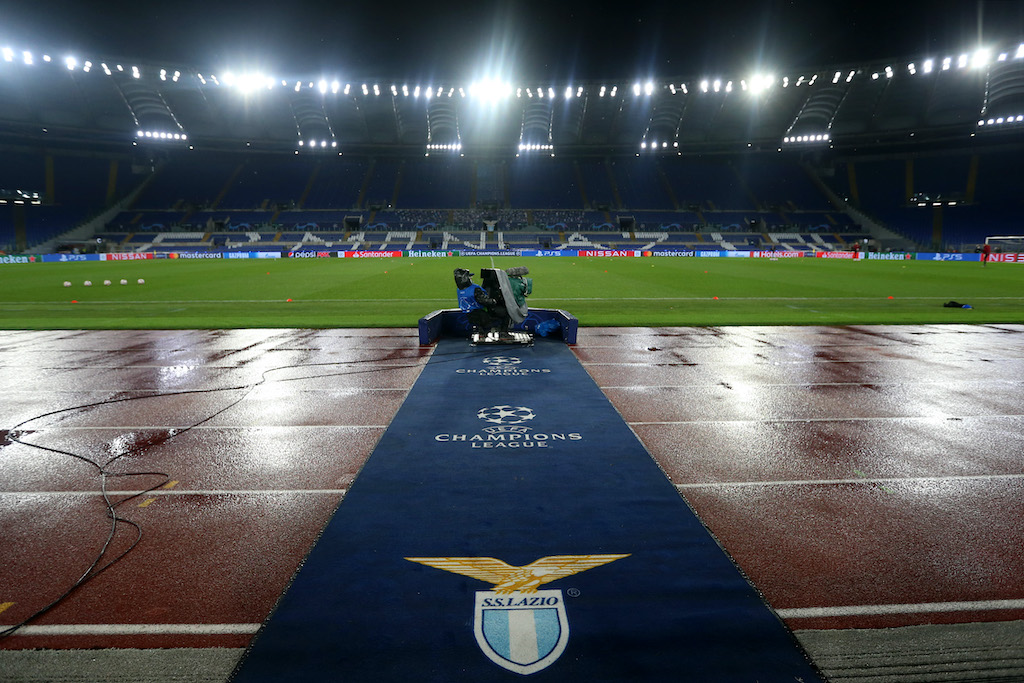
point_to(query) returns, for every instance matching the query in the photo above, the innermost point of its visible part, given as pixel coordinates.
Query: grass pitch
(396, 292)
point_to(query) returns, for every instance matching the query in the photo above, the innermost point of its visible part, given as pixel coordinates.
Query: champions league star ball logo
(508, 430)
(506, 415)
(518, 627)
(501, 361)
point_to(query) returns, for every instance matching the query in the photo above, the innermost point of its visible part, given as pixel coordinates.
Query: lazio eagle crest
(519, 627)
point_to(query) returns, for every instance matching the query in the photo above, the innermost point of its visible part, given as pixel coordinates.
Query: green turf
(599, 291)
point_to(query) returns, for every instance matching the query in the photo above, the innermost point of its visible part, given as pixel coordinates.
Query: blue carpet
(510, 524)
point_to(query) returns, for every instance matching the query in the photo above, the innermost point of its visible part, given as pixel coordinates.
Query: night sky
(554, 39)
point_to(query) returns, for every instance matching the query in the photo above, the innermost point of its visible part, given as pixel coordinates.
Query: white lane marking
(864, 384)
(648, 364)
(135, 629)
(37, 430)
(858, 480)
(910, 608)
(828, 419)
(180, 492)
(163, 393)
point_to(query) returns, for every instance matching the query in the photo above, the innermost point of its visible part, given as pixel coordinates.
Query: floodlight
(704, 86)
(71, 62)
(46, 58)
(568, 92)
(323, 87)
(366, 89)
(615, 89)
(928, 64)
(962, 61)
(648, 88)
(376, 89)
(26, 57)
(1020, 51)
(717, 84)
(416, 91)
(323, 143)
(334, 143)
(728, 87)
(348, 88)
(298, 86)
(551, 92)
(394, 90)
(981, 57)
(301, 143)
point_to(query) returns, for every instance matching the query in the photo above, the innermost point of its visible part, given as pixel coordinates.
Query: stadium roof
(520, 87)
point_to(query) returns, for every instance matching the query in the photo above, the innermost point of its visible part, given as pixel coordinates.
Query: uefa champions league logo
(501, 361)
(507, 430)
(502, 366)
(506, 415)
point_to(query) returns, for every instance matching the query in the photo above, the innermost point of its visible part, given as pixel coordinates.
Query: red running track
(861, 477)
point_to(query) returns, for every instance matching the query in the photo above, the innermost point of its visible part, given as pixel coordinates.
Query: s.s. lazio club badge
(518, 627)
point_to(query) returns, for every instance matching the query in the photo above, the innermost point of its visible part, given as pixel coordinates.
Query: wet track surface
(860, 477)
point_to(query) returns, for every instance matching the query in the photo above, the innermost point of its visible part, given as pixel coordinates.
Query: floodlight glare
(71, 62)
(981, 57)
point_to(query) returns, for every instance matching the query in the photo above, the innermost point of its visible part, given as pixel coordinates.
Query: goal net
(1006, 243)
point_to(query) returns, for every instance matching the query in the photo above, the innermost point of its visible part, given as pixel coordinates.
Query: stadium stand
(906, 152)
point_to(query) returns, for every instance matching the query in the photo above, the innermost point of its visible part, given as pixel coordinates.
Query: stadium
(767, 427)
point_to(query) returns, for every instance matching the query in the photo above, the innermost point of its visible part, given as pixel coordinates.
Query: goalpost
(1006, 243)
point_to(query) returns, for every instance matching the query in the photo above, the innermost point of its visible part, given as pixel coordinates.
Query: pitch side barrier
(518, 253)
